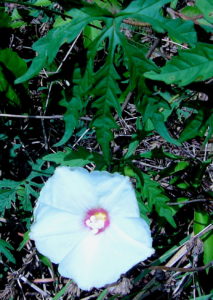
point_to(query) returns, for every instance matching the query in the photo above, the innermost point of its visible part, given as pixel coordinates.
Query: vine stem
(195, 269)
(32, 117)
(39, 117)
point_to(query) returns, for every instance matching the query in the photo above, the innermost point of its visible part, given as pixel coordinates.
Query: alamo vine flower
(89, 224)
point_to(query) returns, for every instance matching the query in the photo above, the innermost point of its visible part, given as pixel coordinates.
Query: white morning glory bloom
(89, 224)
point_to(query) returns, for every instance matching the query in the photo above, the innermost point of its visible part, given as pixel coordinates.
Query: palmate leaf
(190, 65)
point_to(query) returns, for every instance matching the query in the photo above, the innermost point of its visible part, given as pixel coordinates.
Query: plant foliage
(122, 86)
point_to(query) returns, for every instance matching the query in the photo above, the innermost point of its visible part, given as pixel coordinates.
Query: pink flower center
(97, 220)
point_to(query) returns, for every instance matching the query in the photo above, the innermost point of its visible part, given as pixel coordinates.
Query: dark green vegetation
(113, 85)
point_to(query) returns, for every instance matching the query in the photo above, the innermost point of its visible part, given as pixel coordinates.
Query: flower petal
(69, 189)
(136, 228)
(56, 232)
(101, 259)
(115, 193)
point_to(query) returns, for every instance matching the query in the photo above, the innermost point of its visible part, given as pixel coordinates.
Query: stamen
(97, 220)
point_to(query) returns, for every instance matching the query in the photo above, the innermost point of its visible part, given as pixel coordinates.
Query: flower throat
(97, 220)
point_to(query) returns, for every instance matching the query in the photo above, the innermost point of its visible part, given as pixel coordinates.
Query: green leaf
(197, 125)
(159, 153)
(194, 12)
(74, 107)
(181, 31)
(15, 66)
(174, 168)
(48, 46)
(38, 170)
(46, 261)
(152, 109)
(110, 5)
(17, 21)
(7, 194)
(153, 193)
(206, 7)
(13, 62)
(132, 171)
(136, 138)
(90, 33)
(150, 190)
(62, 291)
(71, 118)
(160, 127)
(43, 3)
(24, 196)
(11, 190)
(190, 65)
(149, 11)
(106, 89)
(7, 89)
(138, 64)
(5, 20)
(198, 171)
(75, 158)
(5, 248)
(132, 146)
(26, 238)
(58, 157)
(103, 124)
(145, 8)
(103, 294)
(59, 21)
(180, 166)
(201, 220)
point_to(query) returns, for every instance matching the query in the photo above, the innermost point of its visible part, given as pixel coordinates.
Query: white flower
(89, 224)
